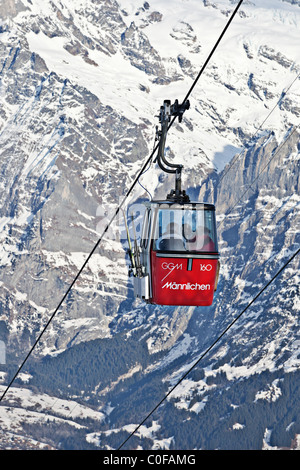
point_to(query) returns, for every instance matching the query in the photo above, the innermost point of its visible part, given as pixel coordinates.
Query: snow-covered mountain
(81, 84)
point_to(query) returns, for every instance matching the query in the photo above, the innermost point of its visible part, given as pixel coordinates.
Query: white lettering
(2, 353)
(115, 460)
(187, 286)
(171, 266)
(160, 459)
(205, 267)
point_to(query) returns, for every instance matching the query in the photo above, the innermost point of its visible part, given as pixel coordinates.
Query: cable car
(177, 259)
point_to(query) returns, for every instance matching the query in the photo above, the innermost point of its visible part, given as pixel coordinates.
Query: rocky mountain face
(58, 141)
(80, 85)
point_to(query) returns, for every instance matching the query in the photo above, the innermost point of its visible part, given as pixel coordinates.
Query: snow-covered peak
(255, 63)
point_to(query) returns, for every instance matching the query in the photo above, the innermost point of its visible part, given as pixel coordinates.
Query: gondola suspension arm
(166, 112)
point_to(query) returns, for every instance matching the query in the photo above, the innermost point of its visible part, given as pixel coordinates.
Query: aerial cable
(231, 208)
(211, 346)
(209, 57)
(256, 178)
(235, 159)
(118, 209)
(251, 184)
(149, 166)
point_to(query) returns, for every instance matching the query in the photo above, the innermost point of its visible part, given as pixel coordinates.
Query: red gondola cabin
(178, 254)
(177, 262)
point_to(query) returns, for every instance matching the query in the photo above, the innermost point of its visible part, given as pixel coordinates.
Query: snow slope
(185, 33)
(81, 84)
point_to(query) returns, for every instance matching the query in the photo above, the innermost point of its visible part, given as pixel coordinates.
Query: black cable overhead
(107, 227)
(257, 295)
(236, 157)
(211, 347)
(119, 207)
(228, 211)
(245, 309)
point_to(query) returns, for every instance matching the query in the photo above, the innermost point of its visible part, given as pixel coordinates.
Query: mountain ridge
(72, 143)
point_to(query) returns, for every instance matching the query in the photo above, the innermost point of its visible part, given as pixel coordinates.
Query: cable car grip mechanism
(166, 112)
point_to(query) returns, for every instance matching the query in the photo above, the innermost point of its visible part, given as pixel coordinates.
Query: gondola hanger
(177, 256)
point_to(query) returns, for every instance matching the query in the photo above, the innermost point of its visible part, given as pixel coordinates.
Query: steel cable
(210, 347)
(117, 210)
